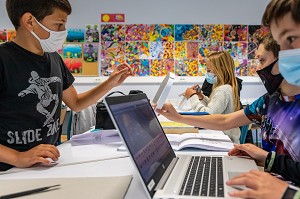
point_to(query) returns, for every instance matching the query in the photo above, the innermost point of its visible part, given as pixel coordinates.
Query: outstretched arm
(214, 122)
(78, 102)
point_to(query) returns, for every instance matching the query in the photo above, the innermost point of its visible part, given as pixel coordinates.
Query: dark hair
(270, 44)
(38, 8)
(276, 9)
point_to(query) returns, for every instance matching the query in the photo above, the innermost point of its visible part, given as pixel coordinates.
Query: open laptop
(163, 90)
(164, 175)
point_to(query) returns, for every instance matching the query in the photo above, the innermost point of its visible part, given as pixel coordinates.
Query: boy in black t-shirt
(34, 81)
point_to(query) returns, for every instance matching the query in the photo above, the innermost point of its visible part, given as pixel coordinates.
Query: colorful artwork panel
(140, 67)
(186, 67)
(11, 35)
(3, 35)
(180, 50)
(112, 50)
(241, 68)
(137, 50)
(137, 32)
(112, 32)
(108, 66)
(75, 35)
(168, 50)
(90, 52)
(235, 32)
(160, 67)
(206, 47)
(74, 65)
(237, 50)
(211, 33)
(92, 33)
(72, 51)
(202, 67)
(256, 32)
(186, 32)
(252, 64)
(192, 50)
(156, 50)
(161, 32)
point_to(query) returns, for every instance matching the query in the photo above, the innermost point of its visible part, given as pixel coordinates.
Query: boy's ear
(27, 21)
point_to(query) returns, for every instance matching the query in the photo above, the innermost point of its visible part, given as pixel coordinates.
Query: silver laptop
(163, 174)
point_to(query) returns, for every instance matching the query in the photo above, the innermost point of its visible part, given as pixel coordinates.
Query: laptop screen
(143, 135)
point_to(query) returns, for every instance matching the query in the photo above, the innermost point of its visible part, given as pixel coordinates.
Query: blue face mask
(211, 78)
(289, 65)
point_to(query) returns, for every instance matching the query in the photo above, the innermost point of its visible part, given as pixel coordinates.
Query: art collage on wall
(154, 49)
(157, 48)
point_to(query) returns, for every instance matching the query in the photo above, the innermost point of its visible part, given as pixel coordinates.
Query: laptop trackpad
(232, 175)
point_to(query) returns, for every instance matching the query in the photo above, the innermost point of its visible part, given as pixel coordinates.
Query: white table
(96, 160)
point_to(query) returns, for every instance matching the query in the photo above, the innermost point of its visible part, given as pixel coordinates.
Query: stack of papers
(96, 136)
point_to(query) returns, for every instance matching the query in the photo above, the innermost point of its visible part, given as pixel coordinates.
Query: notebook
(163, 174)
(163, 90)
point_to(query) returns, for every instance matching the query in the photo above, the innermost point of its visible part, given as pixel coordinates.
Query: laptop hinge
(166, 175)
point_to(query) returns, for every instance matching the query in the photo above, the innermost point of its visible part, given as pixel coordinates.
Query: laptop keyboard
(204, 177)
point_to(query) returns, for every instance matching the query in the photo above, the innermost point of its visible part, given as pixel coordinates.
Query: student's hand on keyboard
(260, 185)
(258, 154)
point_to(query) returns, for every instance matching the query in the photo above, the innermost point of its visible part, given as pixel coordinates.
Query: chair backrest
(244, 131)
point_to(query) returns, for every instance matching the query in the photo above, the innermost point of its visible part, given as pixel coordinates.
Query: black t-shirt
(30, 97)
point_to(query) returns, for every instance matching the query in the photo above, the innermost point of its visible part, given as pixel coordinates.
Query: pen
(28, 192)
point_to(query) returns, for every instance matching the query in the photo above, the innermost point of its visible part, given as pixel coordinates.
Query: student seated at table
(34, 81)
(220, 71)
(277, 112)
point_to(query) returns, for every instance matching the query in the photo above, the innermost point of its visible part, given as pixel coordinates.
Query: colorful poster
(92, 33)
(74, 65)
(256, 32)
(186, 67)
(202, 67)
(156, 50)
(75, 35)
(180, 50)
(3, 36)
(160, 67)
(108, 65)
(238, 51)
(187, 32)
(72, 51)
(235, 32)
(112, 32)
(90, 52)
(252, 64)
(137, 50)
(206, 47)
(137, 32)
(161, 32)
(112, 50)
(211, 33)
(112, 17)
(140, 67)
(11, 35)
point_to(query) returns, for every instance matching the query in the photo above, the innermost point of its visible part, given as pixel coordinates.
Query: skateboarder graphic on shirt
(40, 87)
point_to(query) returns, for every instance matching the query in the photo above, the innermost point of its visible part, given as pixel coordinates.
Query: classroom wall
(164, 11)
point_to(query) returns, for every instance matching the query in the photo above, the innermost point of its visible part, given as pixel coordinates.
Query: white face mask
(55, 40)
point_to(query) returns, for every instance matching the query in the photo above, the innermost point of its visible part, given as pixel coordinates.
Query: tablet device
(163, 90)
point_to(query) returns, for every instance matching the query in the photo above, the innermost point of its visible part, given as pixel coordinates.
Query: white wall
(164, 11)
